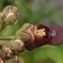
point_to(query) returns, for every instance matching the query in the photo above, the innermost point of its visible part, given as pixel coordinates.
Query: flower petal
(57, 35)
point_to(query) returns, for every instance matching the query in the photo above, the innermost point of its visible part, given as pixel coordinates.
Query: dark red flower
(57, 35)
(39, 36)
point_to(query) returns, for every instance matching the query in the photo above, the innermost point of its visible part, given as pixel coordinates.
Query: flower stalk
(7, 37)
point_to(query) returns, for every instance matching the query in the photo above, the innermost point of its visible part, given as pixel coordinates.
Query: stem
(6, 37)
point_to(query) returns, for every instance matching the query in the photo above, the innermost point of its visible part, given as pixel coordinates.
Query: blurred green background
(48, 12)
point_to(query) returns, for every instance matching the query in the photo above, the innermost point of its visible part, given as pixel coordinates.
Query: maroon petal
(42, 40)
(57, 35)
(40, 26)
(38, 40)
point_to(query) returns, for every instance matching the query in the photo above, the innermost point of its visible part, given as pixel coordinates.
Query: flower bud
(11, 14)
(21, 34)
(10, 19)
(6, 52)
(17, 45)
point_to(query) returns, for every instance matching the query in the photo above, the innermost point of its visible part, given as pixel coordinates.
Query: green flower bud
(11, 14)
(15, 45)
(10, 19)
(13, 60)
(21, 34)
(25, 26)
(6, 52)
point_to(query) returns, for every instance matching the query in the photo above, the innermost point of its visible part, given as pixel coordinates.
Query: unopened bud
(21, 34)
(14, 45)
(6, 52)
(11, 14)
(10, 19)
(17, 45)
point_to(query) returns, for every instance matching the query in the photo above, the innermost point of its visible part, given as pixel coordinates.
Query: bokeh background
(48, 12)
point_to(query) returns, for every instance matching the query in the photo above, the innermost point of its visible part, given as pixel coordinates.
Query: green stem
(6, 37)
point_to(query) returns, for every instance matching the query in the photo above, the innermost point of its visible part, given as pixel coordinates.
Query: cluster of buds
(9, 16)
(27, 37)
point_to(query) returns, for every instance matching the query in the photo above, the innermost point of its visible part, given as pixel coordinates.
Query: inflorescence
(28, 37)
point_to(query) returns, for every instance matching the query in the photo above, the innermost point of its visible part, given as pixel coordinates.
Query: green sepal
(17, 45)
(24, 27)
(20, 34)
